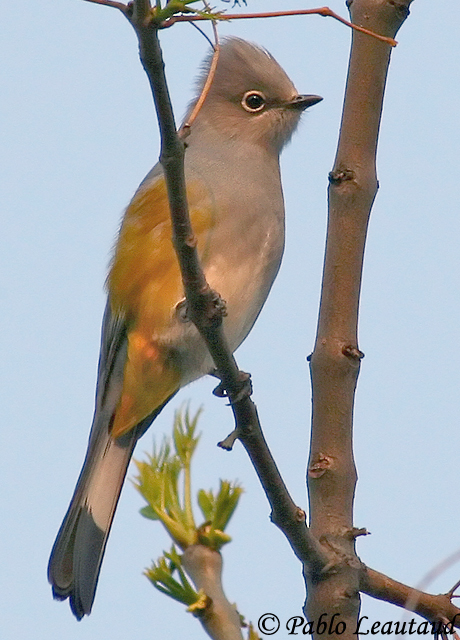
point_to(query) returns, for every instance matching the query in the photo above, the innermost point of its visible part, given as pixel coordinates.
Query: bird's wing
(145, 285)
(136, 378)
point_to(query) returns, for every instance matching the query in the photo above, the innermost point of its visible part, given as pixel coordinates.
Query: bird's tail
(76, 558)
(77, 554)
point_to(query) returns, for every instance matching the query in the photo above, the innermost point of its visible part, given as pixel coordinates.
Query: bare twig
(207, 85)
(436, 571)
(111, 3)
(203, 33)
(430, 607)
(451, 592)
(322, 11)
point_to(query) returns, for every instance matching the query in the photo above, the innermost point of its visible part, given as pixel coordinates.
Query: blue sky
(78, 134)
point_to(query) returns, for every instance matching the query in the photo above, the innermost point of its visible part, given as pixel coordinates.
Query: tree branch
(111, 3)
(321, 11)
(431, 607)
(335, 361)
(219, 618)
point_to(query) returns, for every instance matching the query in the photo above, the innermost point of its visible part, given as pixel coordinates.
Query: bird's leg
(245, 391)
(245, 384)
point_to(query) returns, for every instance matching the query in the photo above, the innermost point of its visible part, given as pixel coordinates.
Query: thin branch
(431, 607)
(111, 3)
(289, 518)
(441, 567)
(203, 33)
(210, 77)
(434, 573)
(219, 618)
(322, 11)
(452, 591)
(207, 86)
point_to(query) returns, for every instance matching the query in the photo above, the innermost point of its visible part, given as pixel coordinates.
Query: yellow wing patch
(144, 285)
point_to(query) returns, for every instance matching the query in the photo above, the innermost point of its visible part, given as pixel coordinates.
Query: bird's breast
(237, 214)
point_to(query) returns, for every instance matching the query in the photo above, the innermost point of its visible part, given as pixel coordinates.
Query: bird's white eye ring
(253, 101)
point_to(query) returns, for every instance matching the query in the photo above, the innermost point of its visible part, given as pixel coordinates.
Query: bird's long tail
(76, 558)
(77, 554)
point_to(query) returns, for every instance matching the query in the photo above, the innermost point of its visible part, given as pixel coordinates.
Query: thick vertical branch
(336, 358)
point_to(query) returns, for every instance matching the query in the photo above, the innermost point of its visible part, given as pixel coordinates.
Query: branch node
(202, 608)
(336, 177)
(191, 241)
(300, 515)
(352, 352)
(219, 391)
(354, 533)
(319, 465)
(329, 568)
(184, 132)
(229, 441)
(401, 8)
(219, 306)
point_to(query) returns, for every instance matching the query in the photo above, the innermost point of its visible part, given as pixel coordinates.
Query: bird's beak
(302, 102)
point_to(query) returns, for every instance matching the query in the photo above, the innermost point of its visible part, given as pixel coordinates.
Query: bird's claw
(245, 384)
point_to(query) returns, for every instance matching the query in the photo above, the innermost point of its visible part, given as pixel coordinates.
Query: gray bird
(148, 352)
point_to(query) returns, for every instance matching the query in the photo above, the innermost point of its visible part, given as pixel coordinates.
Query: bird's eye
(253, 101)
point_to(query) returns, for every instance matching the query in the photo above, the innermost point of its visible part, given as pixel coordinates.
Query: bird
(148, 351)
